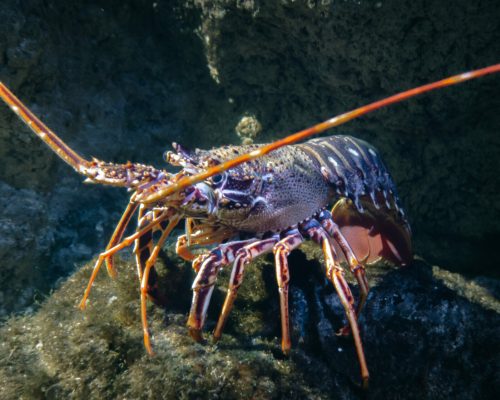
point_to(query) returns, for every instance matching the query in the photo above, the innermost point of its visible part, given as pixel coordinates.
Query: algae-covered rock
(423, 339)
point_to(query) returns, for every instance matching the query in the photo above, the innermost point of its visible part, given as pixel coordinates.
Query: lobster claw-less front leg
(204, 282)
(145, 281)
(144, 251)
(335, 274)
(282, 249)
(356, 267)
(118, 233)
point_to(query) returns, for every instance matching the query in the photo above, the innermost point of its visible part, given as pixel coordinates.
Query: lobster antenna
(314, 130)
(42, 131)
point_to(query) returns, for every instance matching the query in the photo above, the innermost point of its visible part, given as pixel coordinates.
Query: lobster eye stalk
(200, 201)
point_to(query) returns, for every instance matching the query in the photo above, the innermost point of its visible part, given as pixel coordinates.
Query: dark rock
(428, 334)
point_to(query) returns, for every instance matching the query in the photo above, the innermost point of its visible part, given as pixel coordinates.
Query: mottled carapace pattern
(294, 183)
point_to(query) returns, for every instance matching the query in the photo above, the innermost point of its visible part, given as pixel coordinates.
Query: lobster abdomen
(353, 168)
(367, 208)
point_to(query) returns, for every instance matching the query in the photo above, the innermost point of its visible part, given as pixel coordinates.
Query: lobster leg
(143, 250)
(118, 234)
(145, 279)
(357, 269)
(182, 250)
(243, 257)
(113, 250)
(204, 282)
(143, 244)
(281, 251)
(198, 234)
(336, 275)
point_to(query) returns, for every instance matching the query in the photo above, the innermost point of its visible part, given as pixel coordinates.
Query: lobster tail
(374, 234)
(367, 209)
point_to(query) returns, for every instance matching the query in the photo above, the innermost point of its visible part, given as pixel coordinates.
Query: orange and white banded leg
(113, 250)
(204, 282)
(243, 257)
(143, 245)
(143, 251)
(118, 233)
(282, 249)
(357, 268)
(335, 274)
(145, 288)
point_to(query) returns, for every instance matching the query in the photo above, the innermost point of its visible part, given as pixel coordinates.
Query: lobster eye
(217, 179)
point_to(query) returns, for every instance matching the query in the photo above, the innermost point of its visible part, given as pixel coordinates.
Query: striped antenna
(314, 130)
(42, 131)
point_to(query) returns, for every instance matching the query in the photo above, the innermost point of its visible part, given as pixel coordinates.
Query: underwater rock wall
(116, 80)
(121, 80)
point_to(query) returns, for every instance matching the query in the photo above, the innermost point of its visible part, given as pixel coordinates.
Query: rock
(426, 333)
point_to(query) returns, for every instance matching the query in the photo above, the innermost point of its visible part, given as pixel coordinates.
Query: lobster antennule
(43, 131)
(316, 129)
(130, 175)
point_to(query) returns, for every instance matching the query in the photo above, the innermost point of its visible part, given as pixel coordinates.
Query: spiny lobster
(240, 202)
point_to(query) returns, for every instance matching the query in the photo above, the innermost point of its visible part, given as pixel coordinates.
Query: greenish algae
(423, 335)
(62, 352)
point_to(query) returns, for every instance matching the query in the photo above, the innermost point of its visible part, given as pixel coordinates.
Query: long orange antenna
(321, 127)
(42, 131)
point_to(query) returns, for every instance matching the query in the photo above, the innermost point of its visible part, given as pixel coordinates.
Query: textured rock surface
(119, 81)
(424, 339)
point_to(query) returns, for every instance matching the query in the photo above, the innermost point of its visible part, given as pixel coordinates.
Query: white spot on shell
(374, 200)
(332, 160)
(15, 109)
(372, 152)
(394, 250)
(353, 152)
